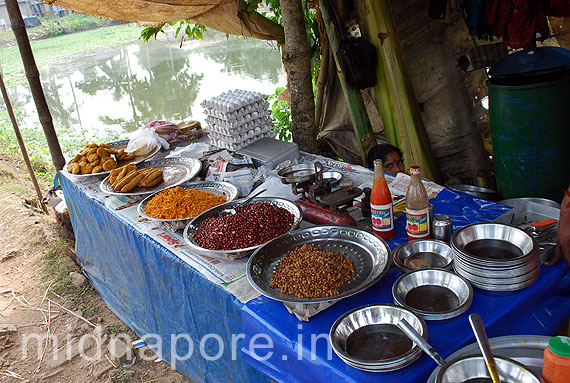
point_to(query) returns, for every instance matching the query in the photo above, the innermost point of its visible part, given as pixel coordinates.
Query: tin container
(442, 228)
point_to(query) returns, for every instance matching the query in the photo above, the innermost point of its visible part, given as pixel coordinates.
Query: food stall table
(157, 294)
(288, 350)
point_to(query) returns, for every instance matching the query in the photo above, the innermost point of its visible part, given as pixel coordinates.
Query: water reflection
(114, 91)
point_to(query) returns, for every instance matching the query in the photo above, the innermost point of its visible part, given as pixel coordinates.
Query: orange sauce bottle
(556, 366)
(382, 211)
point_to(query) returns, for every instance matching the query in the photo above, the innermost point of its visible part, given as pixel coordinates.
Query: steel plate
(369, 254)
(298, 173)
(193, 225)
(225, 189)
(122, 144)
(177, 170)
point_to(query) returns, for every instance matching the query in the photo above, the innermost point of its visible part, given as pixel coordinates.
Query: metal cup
(442, 228)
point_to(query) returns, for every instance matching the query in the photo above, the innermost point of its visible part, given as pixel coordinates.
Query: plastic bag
(144, 141)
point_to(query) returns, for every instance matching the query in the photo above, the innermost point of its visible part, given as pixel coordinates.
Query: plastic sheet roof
(229, 16)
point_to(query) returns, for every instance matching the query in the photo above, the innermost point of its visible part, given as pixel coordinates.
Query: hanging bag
(356, 57)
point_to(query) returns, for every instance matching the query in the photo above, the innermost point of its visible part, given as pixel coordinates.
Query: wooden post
(22, 145)
(33, 76)
(398, 106)
(356, 109)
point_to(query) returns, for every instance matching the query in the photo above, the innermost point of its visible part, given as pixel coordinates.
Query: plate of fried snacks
(150, 176)
(318, 264)
(100, 159)
(177, 204)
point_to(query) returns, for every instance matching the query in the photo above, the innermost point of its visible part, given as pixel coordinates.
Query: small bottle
(556, 365)
(417, 208)
(382, 211)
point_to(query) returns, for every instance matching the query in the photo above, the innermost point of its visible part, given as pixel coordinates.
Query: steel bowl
(476, 191)
(298, 173)
(434, 294)
(493, 231)
(194, 224)
(225, 189)
(332, 176)
(369, 338)
(471, 367)
(423, 254)
(514, 202)
(369, 255)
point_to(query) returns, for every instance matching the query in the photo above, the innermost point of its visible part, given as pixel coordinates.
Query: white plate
(177, 170)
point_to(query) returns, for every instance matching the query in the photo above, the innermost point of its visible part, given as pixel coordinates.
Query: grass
(57, 49)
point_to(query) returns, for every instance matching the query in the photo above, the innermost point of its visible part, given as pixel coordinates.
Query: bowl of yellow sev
(176, 205)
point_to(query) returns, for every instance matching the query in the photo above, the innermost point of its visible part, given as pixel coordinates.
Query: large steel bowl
(471, 367)
(382, 350)
(192, 227)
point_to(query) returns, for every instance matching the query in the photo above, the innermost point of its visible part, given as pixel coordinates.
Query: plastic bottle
(556, 366)
(417, 208)
(382, 211)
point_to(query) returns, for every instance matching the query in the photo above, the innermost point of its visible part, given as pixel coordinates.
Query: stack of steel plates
(495, 257)
(368, 338)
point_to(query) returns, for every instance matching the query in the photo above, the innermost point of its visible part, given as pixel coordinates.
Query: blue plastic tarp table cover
(287, 350)
(158, 296)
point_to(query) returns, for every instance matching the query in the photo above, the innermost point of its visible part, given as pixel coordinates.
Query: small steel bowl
(471, 367)
(423, 254)
(332, 176)
(434, 294)
(193, 226)
(385, 337)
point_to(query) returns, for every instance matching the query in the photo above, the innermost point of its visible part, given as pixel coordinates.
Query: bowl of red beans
(240, 234)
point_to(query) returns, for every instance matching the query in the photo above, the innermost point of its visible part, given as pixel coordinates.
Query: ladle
(420, 341)
(483, 341)
(232, 210)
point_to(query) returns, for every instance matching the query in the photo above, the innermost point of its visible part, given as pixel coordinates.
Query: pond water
(114, 91)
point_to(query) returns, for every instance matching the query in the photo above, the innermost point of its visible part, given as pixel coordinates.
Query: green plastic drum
(530, 129)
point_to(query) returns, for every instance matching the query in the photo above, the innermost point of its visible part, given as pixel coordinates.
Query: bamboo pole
(33, 76)
(22, 145)
(398, 106)
(356, 109)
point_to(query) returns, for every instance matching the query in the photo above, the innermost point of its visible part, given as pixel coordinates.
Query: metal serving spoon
(420, 341)
(483, 341)
(232, 210)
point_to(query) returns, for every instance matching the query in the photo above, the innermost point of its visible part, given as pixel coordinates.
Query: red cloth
(520, 23)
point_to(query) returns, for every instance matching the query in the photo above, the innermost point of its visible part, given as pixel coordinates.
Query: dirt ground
(54, 327)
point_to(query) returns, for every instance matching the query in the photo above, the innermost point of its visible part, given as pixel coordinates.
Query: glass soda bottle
(417, 207)
(382, 211)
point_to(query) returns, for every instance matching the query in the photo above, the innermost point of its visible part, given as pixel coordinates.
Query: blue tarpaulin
(300, 351)
(158, 296)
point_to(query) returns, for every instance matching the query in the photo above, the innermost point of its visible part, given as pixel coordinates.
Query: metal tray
(193, 225)
(176, 171)
(526, 349)
(528, 212)
(369, 254)
(122, 144)
(299, 173)
(225, 189)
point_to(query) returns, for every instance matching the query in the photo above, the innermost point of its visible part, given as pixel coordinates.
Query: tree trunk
(33, 76)
(296, 59)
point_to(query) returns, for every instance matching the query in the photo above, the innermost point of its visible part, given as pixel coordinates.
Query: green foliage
(184, 28)
(281, 115)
